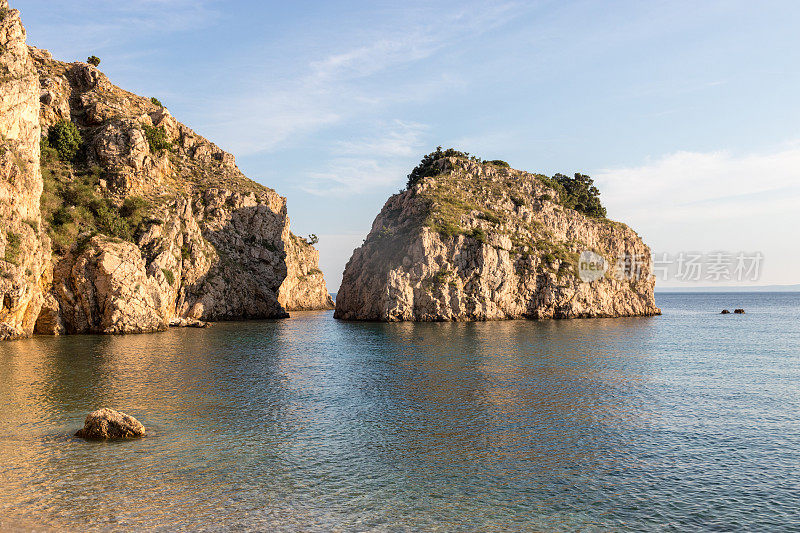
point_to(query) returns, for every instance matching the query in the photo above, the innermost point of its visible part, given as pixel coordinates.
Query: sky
(685, 113)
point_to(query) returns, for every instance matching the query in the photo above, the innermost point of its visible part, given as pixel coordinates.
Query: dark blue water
(685, 422)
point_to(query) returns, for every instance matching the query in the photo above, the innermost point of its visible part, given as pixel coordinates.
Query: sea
(689, 421)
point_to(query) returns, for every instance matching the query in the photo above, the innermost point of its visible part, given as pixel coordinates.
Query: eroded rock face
(104, 288)
(24, 246)
(304, 288)
(220, 257)
(481, 242)
(110, 424)
(212, 245)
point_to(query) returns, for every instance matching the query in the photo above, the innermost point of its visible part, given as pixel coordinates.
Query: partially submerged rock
(738, 311)
(725, 312)
(109, 424)
(188, 323)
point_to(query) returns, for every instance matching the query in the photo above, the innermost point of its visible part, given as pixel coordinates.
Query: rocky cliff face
(150, 223)
(304, 287)
(24, 247)
(480, 241)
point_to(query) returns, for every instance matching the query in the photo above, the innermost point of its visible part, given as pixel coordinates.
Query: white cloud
(401, 139)
(104, 24)
(713, 201)
(704, 186)
(371, 162)
(338, 87)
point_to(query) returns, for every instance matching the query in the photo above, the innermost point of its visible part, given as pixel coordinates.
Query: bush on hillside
(65, 139)
(156, 138)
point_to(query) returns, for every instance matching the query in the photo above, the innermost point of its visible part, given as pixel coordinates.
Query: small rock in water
(188, 323)
(725, 312)
(110, 424)
(739, 311)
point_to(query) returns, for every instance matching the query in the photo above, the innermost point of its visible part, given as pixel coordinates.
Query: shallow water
(688, 421)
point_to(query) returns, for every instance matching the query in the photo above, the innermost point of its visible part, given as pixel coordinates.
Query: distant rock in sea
(109, 424)
(477, 240)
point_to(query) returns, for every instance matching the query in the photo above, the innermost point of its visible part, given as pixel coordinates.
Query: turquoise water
(689, 421)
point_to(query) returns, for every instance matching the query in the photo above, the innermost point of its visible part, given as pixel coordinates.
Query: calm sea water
(689, 421)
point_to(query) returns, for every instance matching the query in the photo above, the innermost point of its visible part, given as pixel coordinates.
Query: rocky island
(477, 240)
(117, 218)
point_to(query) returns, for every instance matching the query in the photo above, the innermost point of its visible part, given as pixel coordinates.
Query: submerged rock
(477, 240)
(109, 424)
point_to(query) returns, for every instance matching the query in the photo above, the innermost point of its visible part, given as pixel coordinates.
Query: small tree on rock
(579, 193)
(65, 138)
(93, 60)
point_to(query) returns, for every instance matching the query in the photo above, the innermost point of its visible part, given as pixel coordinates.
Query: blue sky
(685, 113)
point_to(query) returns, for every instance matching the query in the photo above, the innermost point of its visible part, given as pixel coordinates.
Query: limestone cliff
(303, 287)
(146, 221)
(24, 247)
(477, 240)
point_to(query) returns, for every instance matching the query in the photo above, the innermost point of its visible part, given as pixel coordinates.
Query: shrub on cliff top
(93, 60)
(156, 101)
(579, 193)
(65, 138)
(427, 167)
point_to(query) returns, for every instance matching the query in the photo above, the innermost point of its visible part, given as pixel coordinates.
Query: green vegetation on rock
(578, 193)
(156, 101)
(72, 207)
(156, 138)
(13, 247)
(428, 166)
(169, 276)
(65, 139)
(93, 60)
(461, 195)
